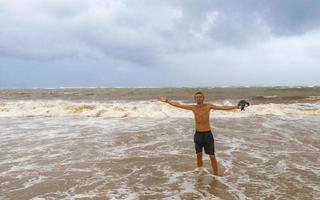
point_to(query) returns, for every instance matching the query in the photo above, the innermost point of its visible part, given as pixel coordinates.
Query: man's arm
(174, 103)
(215, 107)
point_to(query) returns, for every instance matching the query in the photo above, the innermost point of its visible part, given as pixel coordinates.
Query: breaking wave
(153, 109)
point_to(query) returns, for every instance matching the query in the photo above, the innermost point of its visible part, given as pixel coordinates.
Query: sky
(159, 43)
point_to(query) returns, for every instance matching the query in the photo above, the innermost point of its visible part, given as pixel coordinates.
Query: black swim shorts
(204, 140)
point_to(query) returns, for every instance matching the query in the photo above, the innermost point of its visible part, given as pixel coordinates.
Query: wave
(153, 109)
(285, 99)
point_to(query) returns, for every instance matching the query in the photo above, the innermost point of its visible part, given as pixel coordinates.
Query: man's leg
(198, 144)
(214, 164)
(199, 159)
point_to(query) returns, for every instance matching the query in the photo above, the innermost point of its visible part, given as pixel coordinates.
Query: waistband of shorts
(202, 132)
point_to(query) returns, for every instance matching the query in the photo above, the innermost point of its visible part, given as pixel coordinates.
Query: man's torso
(202, 117)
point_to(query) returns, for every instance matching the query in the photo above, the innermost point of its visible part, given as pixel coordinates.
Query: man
(203, 137)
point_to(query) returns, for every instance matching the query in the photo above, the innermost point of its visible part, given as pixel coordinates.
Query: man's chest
(201, 113)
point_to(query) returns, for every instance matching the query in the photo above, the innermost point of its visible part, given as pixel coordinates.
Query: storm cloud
(159, 43)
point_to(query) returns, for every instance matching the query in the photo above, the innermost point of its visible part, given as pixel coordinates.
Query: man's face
(199, 98)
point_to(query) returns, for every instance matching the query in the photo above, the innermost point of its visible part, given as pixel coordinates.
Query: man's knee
(212, 157)
(199, 154)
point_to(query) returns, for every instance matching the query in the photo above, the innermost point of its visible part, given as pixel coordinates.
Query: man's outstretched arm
(174, 103)
(215, 107)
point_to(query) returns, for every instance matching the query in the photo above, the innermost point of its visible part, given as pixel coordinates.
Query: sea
(122, 143)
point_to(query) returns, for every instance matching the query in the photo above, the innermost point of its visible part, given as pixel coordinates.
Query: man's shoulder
(209, 106)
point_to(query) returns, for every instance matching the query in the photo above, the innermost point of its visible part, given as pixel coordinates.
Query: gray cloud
(171, 37)
(292, 17)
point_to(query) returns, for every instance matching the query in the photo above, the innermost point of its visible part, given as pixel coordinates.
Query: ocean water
(121, 143)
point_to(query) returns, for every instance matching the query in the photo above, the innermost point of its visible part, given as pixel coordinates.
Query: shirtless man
(203, 137)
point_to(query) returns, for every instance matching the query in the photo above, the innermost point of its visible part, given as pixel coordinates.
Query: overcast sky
(132, 43)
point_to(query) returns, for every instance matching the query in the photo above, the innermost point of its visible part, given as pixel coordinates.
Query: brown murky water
(59, 148)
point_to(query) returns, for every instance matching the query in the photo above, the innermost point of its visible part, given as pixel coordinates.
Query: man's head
(199, 97)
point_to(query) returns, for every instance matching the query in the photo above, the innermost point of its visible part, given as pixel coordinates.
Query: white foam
(122, 193)
(151, 109)
(69, 132)
(270, 97)
(281, 166)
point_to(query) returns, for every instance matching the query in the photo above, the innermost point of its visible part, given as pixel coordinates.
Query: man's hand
(242, 104)
(163, 99)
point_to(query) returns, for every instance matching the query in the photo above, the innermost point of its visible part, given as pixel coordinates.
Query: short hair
(199, 92)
